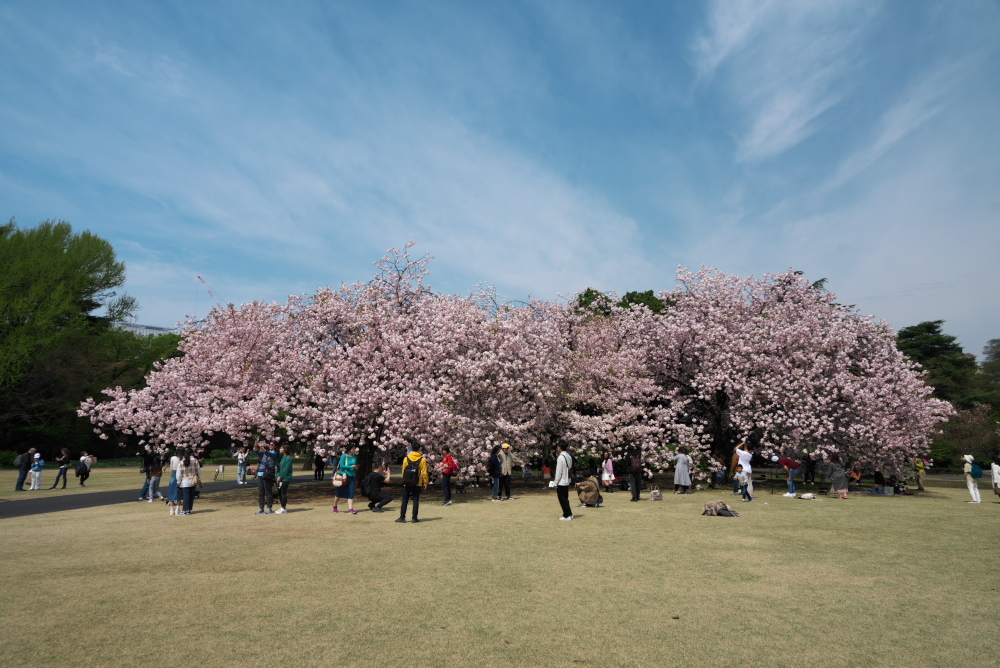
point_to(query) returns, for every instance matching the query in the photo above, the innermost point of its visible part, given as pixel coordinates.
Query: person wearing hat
(507, 461)
(970, 482)
(791, 468)
(36, 471)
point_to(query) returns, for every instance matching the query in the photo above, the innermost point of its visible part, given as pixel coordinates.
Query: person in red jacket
(791, 468)
(448, 467)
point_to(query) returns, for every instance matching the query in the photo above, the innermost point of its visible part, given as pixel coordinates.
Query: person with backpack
(415, 479)
(371, 487)
(634, 471)
(494, 469)
(348, 466)
(564, 464)
(972, 475)
(267, 471)
(449, 467)
(23, 464)
(63, 461)
(285, 473)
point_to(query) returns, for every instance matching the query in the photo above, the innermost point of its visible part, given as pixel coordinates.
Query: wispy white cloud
(782, 64)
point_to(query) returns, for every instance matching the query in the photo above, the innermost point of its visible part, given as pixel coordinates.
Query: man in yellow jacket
(415, 479)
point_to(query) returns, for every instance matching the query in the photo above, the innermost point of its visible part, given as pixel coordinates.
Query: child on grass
(36, 471)
(743, 480)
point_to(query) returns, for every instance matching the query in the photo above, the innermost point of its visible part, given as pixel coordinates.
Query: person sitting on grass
(371, 486)
(878, 483)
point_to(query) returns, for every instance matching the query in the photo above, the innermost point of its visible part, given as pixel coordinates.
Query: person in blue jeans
(267, 471)
(22, 474)
(495, 468)
(349, 467)
(791, 468)
(63, 462)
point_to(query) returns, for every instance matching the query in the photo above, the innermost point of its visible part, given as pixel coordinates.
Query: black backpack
(635, 464)
(19, 460)
(366, 485)
(267, 465)
(411, 472)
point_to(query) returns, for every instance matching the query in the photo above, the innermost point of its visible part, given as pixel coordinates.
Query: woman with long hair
(285, 473)
(608, 472)
(349, 467)
(188, 475)
(838, 478)
(682, 474)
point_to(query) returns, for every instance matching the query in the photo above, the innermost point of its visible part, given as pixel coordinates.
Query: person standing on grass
(743, 456)
(415, 479)
(241, 466)
(494, 468)
(63, 461)
(147, 455)
(267, 470)
(743, 480)
(24, 468)
(507, 463)
(971, 481)
(449, 467)
(838, 477)
(285, 474)
(37, 463)
(372, 488)
(155, 472)
(608, 472)
(682, 473)
(173, 489)
(188, 475)
(635, 465)
(319, 463)
(995, 470)
(349, 467)
(919, 470)
(563, 465)
(83, 468)
(791, 468)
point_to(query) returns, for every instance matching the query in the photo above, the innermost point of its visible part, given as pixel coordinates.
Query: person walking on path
(267, 470)
(285, 474)
(37, 463)
(24, 468)
(83, 468)
(507, 463)
(791, 468)
(682, 474)
(63, 461)
(493, 469)
(415, 479)
(608, 473)
(241, 466)
(838, 477)
(188, 477)
(563, 465)
(449, 467)
(971, 480)
(634, 471)
(372, 488)
(349, 467)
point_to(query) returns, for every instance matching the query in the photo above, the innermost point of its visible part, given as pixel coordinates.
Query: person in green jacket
(284, 477)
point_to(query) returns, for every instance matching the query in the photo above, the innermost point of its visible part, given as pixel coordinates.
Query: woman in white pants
(970, 481)
(995, 469)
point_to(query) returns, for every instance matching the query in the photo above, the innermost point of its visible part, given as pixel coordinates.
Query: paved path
(54, 504)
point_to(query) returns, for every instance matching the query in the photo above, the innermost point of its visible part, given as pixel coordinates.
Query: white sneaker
(280, 511)
(566, 519)
(789, 494)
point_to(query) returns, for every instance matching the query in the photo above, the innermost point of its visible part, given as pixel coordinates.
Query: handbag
(655, 494)
(197, 480)
(339, 479)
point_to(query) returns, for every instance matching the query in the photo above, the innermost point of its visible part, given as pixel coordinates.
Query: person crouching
(590, 493)
(372, 487)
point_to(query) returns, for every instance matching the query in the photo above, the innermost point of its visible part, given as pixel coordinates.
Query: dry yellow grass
(868, 581)
(101, 480)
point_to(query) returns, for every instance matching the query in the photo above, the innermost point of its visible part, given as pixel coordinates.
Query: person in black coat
(495, 469)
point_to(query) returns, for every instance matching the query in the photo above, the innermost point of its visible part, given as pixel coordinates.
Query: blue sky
(541, 146)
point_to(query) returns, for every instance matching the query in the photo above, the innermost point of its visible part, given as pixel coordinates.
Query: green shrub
(220, 454)
(7, 459)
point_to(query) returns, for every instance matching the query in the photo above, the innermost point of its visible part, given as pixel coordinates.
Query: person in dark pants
(415, 479)
(507, 463)
(449, 467)
(63, 462)
(372, 486)
(635, 471)
(83, 468)
(22, 471)
(147, 465)
(563, 465)
(267, 470)
(493, 468)
(285, 473)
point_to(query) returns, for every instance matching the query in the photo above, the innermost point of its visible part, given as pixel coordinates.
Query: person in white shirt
(173, 492)
(188, 474)
(744, 456)
(995, 470)
(563, 464)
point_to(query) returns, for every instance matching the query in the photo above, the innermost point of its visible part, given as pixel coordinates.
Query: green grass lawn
(101, 480)
(899, 581)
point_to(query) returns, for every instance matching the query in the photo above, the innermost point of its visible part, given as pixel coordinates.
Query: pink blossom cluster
(771, 360)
